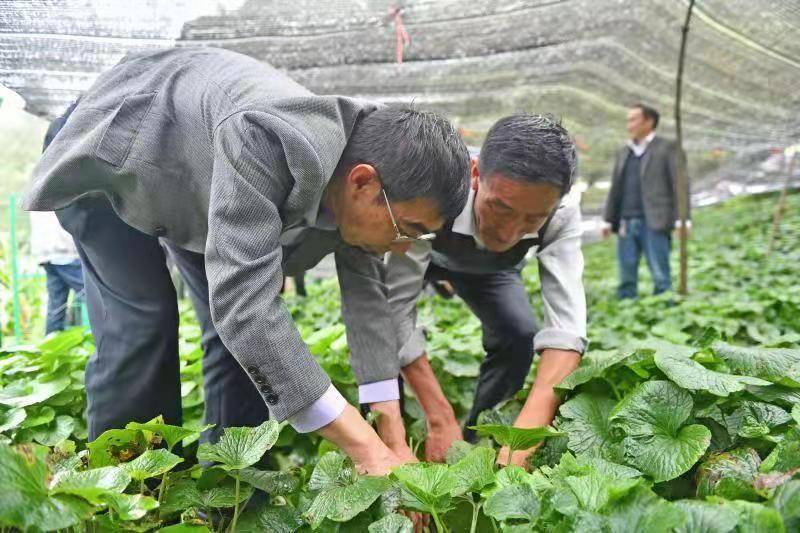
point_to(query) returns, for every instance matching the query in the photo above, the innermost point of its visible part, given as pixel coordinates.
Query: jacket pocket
(117, 140)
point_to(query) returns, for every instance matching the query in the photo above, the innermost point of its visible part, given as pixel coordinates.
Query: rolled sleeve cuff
(559, 340)
(414, 347)
(320, 413)
(379, 391)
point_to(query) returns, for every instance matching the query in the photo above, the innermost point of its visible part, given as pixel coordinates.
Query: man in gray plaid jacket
(246, 176)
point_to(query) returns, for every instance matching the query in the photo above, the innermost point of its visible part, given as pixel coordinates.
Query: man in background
(54, 249)
(642, 205)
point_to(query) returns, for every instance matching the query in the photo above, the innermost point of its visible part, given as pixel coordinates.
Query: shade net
(584, 61)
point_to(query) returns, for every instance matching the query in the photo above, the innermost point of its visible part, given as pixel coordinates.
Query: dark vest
(632, 201)
(460, 253)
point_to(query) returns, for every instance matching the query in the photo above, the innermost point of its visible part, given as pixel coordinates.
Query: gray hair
(417, 154)
(529, 148)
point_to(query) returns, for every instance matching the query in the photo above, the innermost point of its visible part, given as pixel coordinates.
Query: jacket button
(159, 231)
(260, 380)
(265, 389)
(252, 369)
(272, 399)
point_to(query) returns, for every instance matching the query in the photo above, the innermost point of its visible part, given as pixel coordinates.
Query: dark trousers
(502, 304)
(134, 375)
(635, 239)
(60, 280)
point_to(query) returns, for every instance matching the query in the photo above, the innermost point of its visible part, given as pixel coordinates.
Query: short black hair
(648, 112)
(417, 154)
(529, 148)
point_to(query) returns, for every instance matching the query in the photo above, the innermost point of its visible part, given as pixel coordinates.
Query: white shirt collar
(464, 223)
(639, 149)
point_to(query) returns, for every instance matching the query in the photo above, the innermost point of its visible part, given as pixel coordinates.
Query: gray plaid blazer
(224, 155)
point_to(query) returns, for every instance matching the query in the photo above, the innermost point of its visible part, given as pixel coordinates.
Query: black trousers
(502, 304)
(134, 375)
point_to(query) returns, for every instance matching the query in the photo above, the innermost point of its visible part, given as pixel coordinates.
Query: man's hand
(360, 442)
(540, 407)
(441, 435)
(443, 428)
(606, 231)
(391, 430)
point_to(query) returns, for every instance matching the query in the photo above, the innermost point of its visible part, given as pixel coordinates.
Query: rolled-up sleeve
(243, 265)
(405, 279)
(561, 273)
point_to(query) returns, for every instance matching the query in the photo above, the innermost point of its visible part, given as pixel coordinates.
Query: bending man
(249, 176)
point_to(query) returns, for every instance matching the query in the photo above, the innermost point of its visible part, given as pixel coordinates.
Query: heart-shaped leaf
(343, 503)
(656, 442)
(240, 447)
(474, 471)
(426, 486)
(691, 375)
(517, 502)
(172, 434)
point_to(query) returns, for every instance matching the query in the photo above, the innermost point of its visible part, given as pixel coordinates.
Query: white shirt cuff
(379, 391)
(320, 413)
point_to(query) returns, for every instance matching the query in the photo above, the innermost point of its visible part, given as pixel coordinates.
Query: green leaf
(691, 375)
(706, 517)
(12, 418)
(787, 501)
(283, 519)
(426, 486)
(115, 446)
(779, 394)
(56, 432)
(516, 438)
(729, 475)
(172, 434)
(275, 483)
(474, 471)
(593, 365)
(756, 517)
(25, 501)
(656, 443)
(240, 447)
(513, 502)
(458, 450)
(184, 493)
(130, 506)
(330, 468)
(62, 341)
(38, 416)
(586, 422)
(343, 503)
(596, 490)
(22, 394)
(151, 463)
(796, 413)
(759, 418)
(91, 484)
(392, 523)
(786, 455)
(644, 512)
(779, 365)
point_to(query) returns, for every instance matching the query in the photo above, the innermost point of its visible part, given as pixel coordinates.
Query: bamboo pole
(790, 154)
(682, 181)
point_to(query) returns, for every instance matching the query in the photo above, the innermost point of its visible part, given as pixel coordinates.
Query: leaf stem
(439, 526)
(235, 504)
(476, 507)
(162, 490)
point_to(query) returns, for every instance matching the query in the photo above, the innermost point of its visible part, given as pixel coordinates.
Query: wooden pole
(780, 208)
(682, 181)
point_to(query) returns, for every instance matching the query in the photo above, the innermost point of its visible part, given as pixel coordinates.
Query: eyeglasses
(399, 237)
